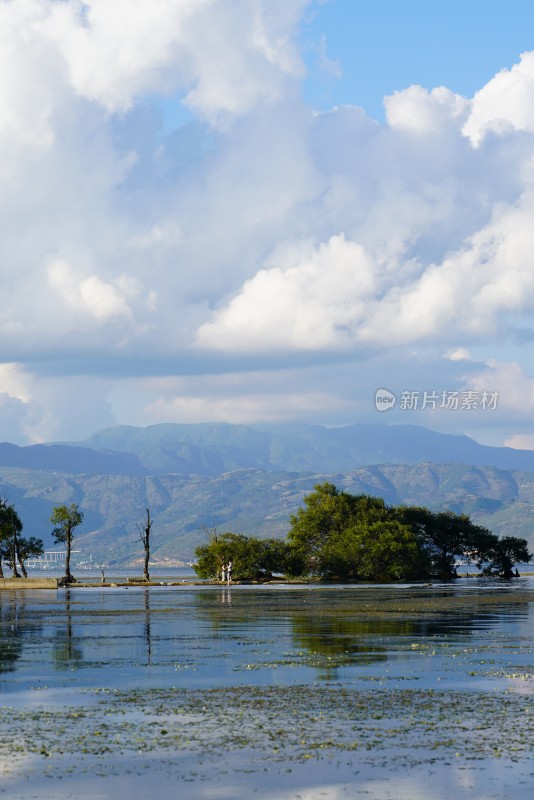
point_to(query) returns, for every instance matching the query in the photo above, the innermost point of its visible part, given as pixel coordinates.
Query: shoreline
(30, 583)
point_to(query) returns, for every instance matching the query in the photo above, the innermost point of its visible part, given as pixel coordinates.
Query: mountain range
(250, 479)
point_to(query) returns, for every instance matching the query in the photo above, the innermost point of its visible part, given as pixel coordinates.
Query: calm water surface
(65, 649)
(210, 636)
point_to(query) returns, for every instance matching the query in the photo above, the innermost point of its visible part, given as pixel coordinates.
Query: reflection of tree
(332, 636)
(65, 650)
(17, 624)
(340, 641)
(11, 638)
(148, 637)
(351, 627)
(350, 641)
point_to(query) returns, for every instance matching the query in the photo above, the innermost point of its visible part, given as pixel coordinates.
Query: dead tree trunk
(144, 536)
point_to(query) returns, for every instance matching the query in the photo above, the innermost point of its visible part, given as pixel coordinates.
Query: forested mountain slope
(251, 501)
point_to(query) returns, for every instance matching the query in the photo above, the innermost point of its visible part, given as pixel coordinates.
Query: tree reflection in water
(345, 642)
(66, 651)
(333, 629)
(11, 633)
(148, 636)
(18, 627)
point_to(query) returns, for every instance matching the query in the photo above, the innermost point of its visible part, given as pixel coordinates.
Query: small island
(340, 536)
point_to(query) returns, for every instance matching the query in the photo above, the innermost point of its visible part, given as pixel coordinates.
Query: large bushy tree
(385, 551)
(447, 537)
(504, 554)
(327, 514)
(336, 534)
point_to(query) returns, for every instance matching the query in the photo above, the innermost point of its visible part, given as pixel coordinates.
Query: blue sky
(384, 46)
(266, 210)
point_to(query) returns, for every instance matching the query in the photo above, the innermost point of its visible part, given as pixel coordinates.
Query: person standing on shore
(223, 573)
(229, 573)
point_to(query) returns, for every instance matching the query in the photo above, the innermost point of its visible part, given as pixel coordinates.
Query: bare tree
(144, 530)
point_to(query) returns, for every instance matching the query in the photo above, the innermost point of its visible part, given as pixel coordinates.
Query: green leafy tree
(328, 512)
(252, 558)
(10, 528)
(447, 536)
(379, 551)
(326, 534)
(14, 548)
(29, 547)
(336, 534)
(275, 556)
(23, 549)
(210, 557)
(505, 554)
(66, 519)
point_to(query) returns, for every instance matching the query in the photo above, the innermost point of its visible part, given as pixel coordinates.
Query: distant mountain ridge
(214, 448)
(251, 479)
(251, 501)
(69, 459)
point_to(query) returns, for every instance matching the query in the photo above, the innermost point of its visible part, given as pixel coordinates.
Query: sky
(266, 211)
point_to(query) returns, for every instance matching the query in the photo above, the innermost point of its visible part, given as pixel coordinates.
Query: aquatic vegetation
(192, 681)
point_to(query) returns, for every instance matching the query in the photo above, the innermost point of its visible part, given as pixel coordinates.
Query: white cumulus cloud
(224, 56)
(313, 302)
(91, 295)
(417, 110)
(170, 205)
(505, 103)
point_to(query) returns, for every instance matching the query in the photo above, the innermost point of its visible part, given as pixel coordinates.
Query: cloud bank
(258, 259)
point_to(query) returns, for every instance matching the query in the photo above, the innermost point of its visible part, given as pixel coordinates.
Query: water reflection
(148, 636)
(66, 652)
(337, 641)
(10, 639)
(218, 635)
(442, 696)
(225, 597)
(347, 641)
(355, 628)
(18, 626)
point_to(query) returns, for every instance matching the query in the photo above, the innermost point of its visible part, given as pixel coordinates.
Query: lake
(286, 691)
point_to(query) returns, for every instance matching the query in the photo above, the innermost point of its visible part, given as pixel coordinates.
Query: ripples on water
(346, 678)
(190, 636)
